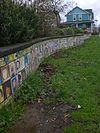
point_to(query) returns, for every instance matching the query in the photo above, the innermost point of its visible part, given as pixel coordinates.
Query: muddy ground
(44, 118)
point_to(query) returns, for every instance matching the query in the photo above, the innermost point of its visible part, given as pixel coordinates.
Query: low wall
(16, 62)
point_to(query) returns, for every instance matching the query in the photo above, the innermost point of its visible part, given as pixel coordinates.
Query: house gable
(77, 10)
(78, 14)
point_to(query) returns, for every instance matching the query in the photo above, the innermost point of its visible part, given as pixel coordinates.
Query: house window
(74, 17)
(80, 17)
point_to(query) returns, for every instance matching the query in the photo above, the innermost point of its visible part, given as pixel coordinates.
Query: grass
(76, 81)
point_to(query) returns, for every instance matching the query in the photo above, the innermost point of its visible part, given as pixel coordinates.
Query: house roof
(89, 11)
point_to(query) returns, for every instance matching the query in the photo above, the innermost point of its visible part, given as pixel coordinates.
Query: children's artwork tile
(21, 53)
(26, 60)
(14, 84)
(12, 69)
(2, 62)
(7, 89)
(0, 78)
(30, 58)
(19, 78)
(24, 75)
(5, 73)
(15, 56)
(1, 95)
(11, 57)
(33, 53)
(20, 64)
(6, 59)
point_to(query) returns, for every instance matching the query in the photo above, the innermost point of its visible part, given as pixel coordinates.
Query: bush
(62, 31)
(68, 31)
(18, 23)
(78, 31)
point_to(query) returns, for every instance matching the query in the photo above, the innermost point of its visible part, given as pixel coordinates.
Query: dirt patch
(56, 55)
(42, 118)
(63, 55)
(47, 70)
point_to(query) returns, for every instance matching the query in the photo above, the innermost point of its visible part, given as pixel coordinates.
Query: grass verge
(77, 81)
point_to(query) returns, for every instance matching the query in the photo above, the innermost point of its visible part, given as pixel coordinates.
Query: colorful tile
(24, 75)
(26, 60)
(19, 78)
(12, 69)
(6, 59)
(15, 56)
(7, 89)
(27, 70)
(1, 95)
(14, 84)
(21, 53)
(5, 73)
(20, 64)
(18, 54)
(2, 62)
(0, 78)
(11, 57)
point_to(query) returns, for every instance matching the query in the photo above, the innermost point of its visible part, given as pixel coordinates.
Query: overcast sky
(90, 4)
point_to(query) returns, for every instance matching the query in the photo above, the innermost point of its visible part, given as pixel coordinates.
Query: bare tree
(55, 6)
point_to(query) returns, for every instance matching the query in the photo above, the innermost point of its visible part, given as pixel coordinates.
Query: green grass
(77, 81)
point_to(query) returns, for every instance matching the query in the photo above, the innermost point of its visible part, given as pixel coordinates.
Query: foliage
(64, 31)
(18, 23)
(77, 30)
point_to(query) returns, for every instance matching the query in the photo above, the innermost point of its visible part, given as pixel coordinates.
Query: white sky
(90, 4)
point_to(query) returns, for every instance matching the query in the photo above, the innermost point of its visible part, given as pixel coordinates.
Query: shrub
(18, 23)
(78, 31)
(68, 31)
(62, 31)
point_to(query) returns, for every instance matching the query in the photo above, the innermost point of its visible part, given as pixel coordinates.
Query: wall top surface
(20, 46)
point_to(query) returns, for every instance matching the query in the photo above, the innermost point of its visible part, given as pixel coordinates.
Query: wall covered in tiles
(14, 68)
